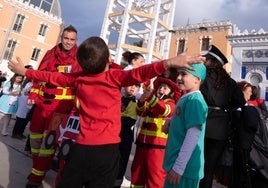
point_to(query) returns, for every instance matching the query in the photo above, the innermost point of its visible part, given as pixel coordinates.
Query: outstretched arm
(180, 61)
(183, 61)
(55, 78)
(145, 72)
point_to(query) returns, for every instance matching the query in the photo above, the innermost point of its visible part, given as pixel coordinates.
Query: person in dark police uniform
(221, 94)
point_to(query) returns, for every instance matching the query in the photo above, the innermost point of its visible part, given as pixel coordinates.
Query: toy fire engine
(63, 131)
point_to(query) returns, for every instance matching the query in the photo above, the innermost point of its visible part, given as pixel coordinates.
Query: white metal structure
(145, 22)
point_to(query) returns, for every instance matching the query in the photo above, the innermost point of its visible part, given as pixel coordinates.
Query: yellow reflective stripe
(38, 172)
(60, 97)
(153, 101)
(34, 151)
(33, 90)
(157, 121)
(64, 91)
(46, 151)
(157, 133)
(64, 97)
(36, 135)
(136, 186)
(167, 111)
(58, 87)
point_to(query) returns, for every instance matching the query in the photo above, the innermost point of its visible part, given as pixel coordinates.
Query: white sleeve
(186, 150)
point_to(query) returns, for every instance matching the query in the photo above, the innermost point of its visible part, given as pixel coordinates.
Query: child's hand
(17, 67)
(145, 95)
(30, 102)
(173, 178)
(184, 61)
(165, 127)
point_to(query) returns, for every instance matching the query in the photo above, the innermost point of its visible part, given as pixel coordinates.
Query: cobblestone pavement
(15, 164)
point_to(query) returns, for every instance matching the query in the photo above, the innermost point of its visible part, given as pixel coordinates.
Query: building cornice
(209, 27)
(36, 11)
(248, 39)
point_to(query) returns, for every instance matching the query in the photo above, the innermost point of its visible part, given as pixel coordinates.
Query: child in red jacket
(94, 158)
(146, 170)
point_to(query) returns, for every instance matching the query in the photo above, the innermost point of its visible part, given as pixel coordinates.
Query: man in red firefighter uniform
(49, 99)
(155, 107)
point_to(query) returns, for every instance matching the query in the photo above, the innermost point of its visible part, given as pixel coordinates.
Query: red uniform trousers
(146, 169)
(41, 156)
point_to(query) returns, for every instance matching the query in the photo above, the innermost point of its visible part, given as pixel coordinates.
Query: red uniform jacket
(155, 114)
(51, 97)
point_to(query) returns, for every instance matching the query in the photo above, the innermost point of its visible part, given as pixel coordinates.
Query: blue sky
(87, 15)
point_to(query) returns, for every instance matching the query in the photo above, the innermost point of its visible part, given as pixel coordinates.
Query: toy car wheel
(50, 139)
(65, 148)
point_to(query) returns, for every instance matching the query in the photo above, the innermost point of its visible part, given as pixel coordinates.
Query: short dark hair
(70, 28)
(93, 55)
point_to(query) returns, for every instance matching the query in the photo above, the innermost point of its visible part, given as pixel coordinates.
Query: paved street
(15, 164)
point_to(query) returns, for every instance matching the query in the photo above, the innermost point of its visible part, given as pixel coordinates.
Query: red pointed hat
(174, 86)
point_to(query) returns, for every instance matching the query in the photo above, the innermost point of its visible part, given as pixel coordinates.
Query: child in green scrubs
(184, 155)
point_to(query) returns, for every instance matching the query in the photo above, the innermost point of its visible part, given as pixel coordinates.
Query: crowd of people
(187, 117)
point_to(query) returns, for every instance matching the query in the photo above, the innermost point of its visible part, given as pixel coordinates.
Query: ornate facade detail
(253, 68)
(260, 53)
(194, 28)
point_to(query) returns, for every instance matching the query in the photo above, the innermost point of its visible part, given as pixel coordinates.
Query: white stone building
(250, 58)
